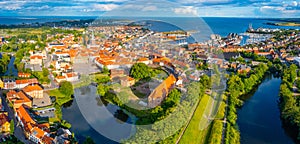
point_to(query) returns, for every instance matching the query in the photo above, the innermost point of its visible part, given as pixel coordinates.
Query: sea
(217, 25)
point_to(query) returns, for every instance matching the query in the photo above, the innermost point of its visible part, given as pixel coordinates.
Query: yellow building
(34, 91)
(4, 123)
(1, 84)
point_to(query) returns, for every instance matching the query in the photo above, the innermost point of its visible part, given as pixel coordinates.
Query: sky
(202, 8)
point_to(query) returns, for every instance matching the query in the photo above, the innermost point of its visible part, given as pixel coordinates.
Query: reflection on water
(91, 116)
(259, 118)
(68, 104)
(80, 126)
(121, 116)
(11, 69)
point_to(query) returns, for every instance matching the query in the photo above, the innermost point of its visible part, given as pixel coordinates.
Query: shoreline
(291, 24)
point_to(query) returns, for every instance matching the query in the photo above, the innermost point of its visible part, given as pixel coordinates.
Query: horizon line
(153, 16)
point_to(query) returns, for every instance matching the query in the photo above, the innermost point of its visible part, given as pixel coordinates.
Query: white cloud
(186, 10)
(204, 1)
(294, 3)
(281, 11)
(149, 8)
(101, 1)
(11, 5)
(105, 7)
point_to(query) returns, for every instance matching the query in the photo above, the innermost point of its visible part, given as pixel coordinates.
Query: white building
(297, 61)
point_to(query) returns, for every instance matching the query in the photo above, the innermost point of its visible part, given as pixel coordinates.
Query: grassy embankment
(200, 130)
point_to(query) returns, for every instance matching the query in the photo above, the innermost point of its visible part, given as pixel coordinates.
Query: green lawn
(85, 80)
(194, 133)
(60, 98)
(221, 111)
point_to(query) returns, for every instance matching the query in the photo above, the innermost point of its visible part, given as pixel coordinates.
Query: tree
(205, 81)
(105, 70)
(102, 89)
(45, 72)
(12, 127)
(276, 61)
(140, 71)
(4, 61)
(65, 124)
(298, 83)
(66, 88)
(89, 140)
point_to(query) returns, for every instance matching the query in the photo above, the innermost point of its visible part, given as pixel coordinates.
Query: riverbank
(289, 104)
(236, 87)
(259, 117)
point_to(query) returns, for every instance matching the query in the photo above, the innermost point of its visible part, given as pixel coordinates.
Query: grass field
(206, 124)
(194, 133)
(60, 98)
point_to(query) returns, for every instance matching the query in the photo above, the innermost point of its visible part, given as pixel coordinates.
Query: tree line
(236, 87)
(289, 104)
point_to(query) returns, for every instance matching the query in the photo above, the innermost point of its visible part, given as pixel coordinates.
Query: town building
(18, 98)
(243, 69)
(297, 61)
(36, 59)
(4, 122)
(24, 82)
(9, 83)
(127, 81)
(37, 133)
(160, 92)
(59, 79)
(1, 84)
(116, 73)
(24, 75)
(34, 91)
(71, 77)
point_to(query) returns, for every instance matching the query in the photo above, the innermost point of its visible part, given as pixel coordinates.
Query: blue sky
(206, 8)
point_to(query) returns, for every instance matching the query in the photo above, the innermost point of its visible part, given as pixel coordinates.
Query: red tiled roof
(29, 81)
(17, 97)
(71, 75)
(20, 74)
(37, 132)
(30, 88)
(36, 57)
(163, 88)
(60, 77)
(24, 116)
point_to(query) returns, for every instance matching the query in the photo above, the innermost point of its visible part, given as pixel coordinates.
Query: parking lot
(86, 68)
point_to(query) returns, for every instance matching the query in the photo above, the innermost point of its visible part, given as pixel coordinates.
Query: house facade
(34, 91)
(9, 84)
(36, 59)
(33, 131)
(24, 82)
(18, 99)
(160, 92)
(127, 81)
